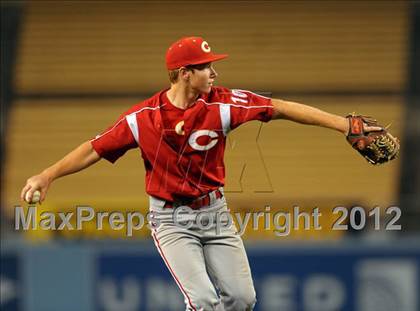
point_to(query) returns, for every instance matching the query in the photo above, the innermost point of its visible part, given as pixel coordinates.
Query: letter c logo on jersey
(197, 134)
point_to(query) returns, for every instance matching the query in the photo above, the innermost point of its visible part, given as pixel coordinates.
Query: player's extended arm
(312, 116)
(77, 160)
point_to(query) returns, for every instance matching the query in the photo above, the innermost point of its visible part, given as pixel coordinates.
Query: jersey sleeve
(115, 141)
(248, 106)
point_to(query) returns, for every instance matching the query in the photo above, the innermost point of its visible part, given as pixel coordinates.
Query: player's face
(202, 78)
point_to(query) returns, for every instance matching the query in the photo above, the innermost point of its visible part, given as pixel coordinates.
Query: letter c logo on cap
(205, 47)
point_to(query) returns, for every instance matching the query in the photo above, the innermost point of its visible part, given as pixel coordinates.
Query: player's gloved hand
(39, 182)
(371, 140)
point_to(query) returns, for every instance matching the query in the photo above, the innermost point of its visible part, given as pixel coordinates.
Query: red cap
(190, 51)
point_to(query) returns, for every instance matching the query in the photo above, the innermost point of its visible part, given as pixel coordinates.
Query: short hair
(174, 74)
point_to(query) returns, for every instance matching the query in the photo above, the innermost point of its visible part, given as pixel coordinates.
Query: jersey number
(239, 97)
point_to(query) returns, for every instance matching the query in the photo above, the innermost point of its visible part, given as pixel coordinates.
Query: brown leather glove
(376, 147)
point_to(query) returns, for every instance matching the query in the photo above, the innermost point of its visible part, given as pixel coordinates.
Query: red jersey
(185, 164)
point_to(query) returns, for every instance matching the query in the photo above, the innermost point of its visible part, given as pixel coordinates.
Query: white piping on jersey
(224, 114)
(225, 118)
(252, 93)
(224, 109)
(234, 105)
(135, 134)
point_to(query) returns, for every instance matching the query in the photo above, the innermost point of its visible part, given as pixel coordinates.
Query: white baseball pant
(211, 268)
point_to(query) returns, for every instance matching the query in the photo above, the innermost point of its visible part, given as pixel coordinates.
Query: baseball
(35, 197)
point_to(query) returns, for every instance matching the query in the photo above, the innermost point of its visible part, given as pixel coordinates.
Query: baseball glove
(376, 147)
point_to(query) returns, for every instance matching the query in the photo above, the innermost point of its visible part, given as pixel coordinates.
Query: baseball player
(181, 133)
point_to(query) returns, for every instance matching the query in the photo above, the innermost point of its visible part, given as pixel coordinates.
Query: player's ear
(184, 73)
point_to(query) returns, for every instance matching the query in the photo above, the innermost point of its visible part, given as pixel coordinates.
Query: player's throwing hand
(39, 182)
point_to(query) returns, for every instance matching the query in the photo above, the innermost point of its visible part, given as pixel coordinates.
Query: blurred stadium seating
(109, 57)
